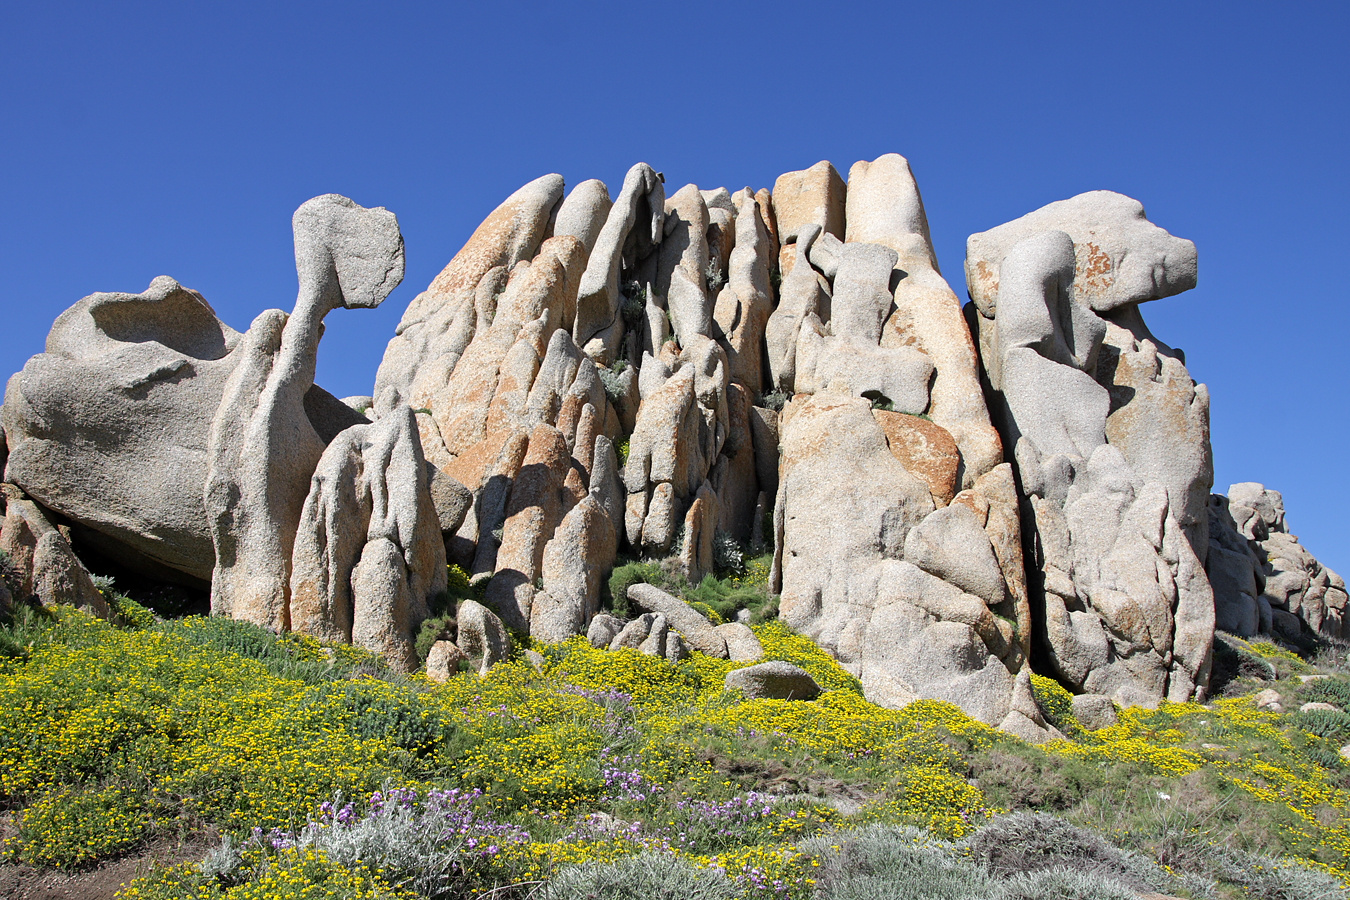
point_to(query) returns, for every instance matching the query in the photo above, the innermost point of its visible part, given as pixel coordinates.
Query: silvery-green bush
(647, 876)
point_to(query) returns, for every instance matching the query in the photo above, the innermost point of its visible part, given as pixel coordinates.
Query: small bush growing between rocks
(613, 384)
(622, 577)
(1056, 704)
(879, 400)
(774, 400)
(728, 557)
(634, 305)
(727, 598)
(440, 628)
(714, 277)
(125, 611)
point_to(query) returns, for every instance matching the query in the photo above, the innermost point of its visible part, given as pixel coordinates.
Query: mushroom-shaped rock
(773, 680)
(263, 448)
(1111, 442)
(1121, 258)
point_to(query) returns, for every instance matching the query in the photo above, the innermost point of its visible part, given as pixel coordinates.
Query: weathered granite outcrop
(369, 557)
(659, 374)
(1110, 437)
(1264, 580)
(873, 557)
(41, 560)
(110, 425)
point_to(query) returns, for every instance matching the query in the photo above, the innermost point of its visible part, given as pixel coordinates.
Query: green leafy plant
(625, 576)
(440, 628)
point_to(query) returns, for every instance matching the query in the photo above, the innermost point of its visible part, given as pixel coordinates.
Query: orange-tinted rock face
(925, 449)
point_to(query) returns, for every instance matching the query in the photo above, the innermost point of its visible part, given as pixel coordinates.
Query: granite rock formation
(951, 498)
(1265, 581)
(1110, 437)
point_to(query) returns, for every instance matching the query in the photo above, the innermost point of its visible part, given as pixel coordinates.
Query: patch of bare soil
(20, 882)
(772, 777)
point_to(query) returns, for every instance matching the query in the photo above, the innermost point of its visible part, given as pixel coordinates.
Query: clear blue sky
(140, 139)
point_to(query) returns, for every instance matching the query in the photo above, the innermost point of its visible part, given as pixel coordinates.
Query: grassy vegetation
(719, 598)
(617, 774)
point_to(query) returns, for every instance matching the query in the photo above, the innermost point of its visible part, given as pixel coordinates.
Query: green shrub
(774, 400)
(287, 656)
(625, 576)
(726, 597)
(1335, 691)
(458, 587)
(395, 714)
(713, 276)
(26, 623)
(1332, 724)
(633, 306)
(440, 628)
(72, 827)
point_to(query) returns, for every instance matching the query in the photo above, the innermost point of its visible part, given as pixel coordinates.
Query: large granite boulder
(774, 680)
